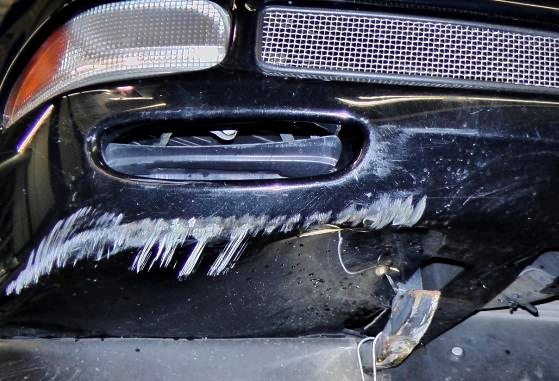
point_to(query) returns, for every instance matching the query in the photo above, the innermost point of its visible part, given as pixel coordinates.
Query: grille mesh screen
(365, 44)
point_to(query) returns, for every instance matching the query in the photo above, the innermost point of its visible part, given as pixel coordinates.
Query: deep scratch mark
(90, 234)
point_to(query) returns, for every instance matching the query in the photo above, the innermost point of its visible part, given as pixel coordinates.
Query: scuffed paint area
(90, 234)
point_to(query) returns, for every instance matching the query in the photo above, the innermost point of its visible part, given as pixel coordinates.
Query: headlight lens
(128, 39)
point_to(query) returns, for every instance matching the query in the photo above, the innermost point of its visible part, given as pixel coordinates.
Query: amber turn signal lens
(39, 71)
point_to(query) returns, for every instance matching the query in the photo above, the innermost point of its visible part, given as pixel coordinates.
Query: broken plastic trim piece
(535, 283)
(412, 312)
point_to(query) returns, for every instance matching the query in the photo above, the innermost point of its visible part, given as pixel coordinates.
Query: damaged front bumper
(458, 186)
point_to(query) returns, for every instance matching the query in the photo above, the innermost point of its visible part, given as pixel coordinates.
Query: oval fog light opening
(230, 151)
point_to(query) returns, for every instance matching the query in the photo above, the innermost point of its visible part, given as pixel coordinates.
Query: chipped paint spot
(90, 234)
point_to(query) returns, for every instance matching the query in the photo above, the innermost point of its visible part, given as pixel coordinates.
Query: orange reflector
(43, 66)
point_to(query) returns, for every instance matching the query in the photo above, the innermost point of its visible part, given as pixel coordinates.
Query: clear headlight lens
(128, 39)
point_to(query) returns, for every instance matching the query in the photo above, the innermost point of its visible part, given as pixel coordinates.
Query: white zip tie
(360, 360)
(347, 271)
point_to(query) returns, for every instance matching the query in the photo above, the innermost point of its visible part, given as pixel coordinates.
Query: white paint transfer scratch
(89, 234)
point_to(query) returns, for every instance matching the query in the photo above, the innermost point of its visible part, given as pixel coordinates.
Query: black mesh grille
(345, 43)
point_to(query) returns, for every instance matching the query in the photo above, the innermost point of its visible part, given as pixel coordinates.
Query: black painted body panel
(486, 161)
